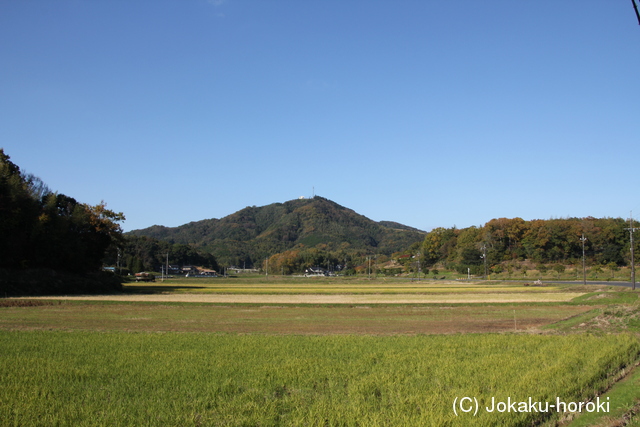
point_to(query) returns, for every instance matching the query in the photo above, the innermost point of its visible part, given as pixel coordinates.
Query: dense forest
(503, 240)
(46, 234)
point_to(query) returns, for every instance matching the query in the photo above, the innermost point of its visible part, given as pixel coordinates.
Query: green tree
(431, 247)
(43, 229)
(559, 268)
(596, 270)
(613, 267)
(18, 214)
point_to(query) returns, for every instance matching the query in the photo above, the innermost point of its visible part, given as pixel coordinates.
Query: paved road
(605, 283)
(559, 282)
(579, 282)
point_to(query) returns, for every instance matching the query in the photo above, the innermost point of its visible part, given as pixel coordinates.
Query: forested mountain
(250, 235)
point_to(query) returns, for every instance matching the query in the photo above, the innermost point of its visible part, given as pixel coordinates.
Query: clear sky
(431, 113)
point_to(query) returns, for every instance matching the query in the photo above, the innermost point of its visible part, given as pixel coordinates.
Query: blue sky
(429, 113)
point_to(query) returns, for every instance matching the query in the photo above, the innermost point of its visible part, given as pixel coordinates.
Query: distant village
(193, 271)
(176, 270)
(188, 271)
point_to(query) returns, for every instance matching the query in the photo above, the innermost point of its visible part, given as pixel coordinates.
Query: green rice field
(188, 379)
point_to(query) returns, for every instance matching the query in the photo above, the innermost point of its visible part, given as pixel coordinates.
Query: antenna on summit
(313, 192)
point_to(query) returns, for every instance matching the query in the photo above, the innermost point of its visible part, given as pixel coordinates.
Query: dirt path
(332, 299)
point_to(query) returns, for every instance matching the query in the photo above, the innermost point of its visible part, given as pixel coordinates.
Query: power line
(635, 7)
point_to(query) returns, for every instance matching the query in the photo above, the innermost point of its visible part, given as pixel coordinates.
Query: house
(315, 271)
(174, 269)
(208, 273)
(190, 269)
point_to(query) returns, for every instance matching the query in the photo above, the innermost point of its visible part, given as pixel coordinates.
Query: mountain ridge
(253, 233)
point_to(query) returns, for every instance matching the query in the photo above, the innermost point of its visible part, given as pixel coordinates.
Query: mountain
(254, 233)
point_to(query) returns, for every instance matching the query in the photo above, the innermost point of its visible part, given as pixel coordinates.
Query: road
(579, 282)
(595, 282)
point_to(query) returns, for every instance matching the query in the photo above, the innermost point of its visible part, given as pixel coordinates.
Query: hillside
(253, 233)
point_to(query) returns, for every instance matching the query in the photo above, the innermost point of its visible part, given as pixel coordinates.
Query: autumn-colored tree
(541, 241)
(431, 247)
(44, 229)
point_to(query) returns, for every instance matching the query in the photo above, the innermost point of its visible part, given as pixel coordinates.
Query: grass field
(383, 363)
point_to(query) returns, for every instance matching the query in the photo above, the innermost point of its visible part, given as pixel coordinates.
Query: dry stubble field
(306, 306)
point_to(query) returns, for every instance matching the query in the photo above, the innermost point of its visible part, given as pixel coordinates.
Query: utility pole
(633, 263)
(584, 268)
(375, 266)
(484, 257)
(165, 269)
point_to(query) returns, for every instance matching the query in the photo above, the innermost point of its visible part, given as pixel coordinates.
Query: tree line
(50, 242)
(142, 253)
(493, 246)
(43, 229)
(606, 242)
